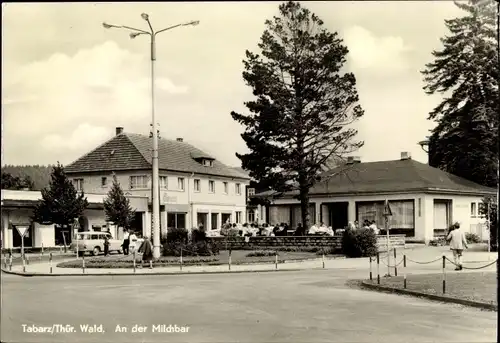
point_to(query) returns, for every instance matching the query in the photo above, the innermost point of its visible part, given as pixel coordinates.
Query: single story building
(424, 200)
(17, 209)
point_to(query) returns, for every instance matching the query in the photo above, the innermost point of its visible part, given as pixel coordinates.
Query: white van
(93, 242)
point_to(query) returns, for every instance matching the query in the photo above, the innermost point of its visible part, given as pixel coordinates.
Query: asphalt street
(303, 306)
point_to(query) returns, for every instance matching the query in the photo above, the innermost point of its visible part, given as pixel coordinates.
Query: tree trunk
(304, 206)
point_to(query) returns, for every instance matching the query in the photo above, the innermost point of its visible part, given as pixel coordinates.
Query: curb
(155, 273)
(441, 298)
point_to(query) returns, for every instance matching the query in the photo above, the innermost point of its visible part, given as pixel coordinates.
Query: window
(208, 163)
(211, 186)
(251, 216)
(238, 217)
(180, 183)
(402, 220)
(104, 181)
(78, 183)
(473, 209)
(197, 185)
(225, 187)
(238, 188)
(163, 182)
(251, 192)
(138, 182)
(176, 220)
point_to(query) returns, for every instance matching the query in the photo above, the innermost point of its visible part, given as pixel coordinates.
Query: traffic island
(476, 289)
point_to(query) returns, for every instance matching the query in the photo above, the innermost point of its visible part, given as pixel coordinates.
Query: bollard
(134, 262)
(371, 274)
(276, 261)
(378, 268)
(323, 260)
(181, 260)
(28, 260)
(5, 260)
(24, 265)
(50, 262)
(83, 264)
(395, 264)
(444, 274)
(60, 249)
(10, 262)
(229, 260)
(42, 249)
(404, 271)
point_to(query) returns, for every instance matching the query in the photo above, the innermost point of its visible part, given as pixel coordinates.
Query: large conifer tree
(117, 207)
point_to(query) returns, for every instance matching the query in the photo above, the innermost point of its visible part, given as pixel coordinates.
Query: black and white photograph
(252, 171)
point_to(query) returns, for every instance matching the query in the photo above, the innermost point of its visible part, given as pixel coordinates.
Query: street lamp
(424, 145)
(155, 181)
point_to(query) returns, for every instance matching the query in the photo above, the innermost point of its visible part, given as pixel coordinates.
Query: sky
(67, 82)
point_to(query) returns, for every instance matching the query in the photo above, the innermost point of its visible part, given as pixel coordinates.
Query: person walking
(457, 244)
(126, 242)
(106, 245)
(146, 249)
(132, 242)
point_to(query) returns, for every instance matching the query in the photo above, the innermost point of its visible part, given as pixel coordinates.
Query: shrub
(178, 235)
(359, 243)
(261, 253)
(199, 248)
(198, 235)
(472, 238)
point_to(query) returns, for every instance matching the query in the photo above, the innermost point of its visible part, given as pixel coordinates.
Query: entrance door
(338, 215)
(441, 217)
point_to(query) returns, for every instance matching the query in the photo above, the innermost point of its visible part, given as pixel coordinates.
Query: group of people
(281, 229)
(129, 245)
(367, 224)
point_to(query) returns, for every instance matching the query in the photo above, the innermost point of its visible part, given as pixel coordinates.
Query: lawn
(237, 257)
(480, 287)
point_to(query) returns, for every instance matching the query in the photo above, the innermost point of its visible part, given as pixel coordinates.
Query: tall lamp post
(156, 178)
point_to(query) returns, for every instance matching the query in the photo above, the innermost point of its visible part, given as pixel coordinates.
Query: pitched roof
(392, 176)
(130, 151)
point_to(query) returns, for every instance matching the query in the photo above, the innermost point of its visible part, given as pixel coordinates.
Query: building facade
(195, 188)
(424, 200)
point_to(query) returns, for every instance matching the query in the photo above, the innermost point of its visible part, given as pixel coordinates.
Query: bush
(198, 235)
(472, 238)
(199, 248)
(178, 235)
(261, 253)
(359, 243)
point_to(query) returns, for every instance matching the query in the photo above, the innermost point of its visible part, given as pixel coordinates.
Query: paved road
(304, 306)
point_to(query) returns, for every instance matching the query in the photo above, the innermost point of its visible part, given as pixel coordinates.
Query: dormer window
(208, 163)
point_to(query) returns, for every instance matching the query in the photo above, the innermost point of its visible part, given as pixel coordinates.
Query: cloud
(83, 138)
(376, 54)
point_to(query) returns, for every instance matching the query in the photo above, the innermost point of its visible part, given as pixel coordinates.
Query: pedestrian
(132, 242)
(457, 241)
(146, 249)
(126, 242)
(106, 245)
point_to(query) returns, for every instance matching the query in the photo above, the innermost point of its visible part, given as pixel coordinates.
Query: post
(404, 271)
(50, 262)
(22, 246)
(378, 268)
(395, 264)
(388, 251)
(488, 228)
(181, 260)
(156, 177)
(24, 265)
(134, 263)
(42, 248)
(444, 274)
(83, 264)
(10, 262)
(371, 274)
(77, 256)
(5, 260)
(323, 260)
(276, 261)
(28, 260)
(229, 260)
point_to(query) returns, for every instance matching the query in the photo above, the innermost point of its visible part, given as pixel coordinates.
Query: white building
(424, 200)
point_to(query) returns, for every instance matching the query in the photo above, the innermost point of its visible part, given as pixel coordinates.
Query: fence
(403, 264)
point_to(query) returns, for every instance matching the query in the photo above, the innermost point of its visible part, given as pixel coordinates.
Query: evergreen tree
(61, 203)
(466, 70)
(117, 206)
(304, 104)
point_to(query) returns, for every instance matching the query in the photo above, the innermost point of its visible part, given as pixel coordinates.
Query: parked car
(93, 242)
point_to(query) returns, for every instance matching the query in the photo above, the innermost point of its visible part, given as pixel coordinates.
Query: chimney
(353, 159)
(119, 130)
(405, 155)
(180, 140)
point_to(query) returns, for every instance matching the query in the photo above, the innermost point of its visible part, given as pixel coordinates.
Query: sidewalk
(471, 259)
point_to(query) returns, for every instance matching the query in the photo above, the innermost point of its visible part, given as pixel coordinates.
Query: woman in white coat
(457, 244)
